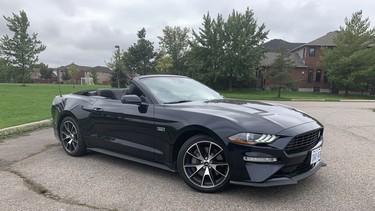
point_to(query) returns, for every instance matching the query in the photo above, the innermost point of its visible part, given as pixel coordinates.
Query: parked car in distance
(178, 124)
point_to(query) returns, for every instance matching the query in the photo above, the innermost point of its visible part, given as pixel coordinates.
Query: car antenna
(59, 88)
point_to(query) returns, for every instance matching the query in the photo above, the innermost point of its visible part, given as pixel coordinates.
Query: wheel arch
(187, 133)
(80, 147)
(62, 117)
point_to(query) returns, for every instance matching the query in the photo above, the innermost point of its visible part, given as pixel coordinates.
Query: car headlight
(252, 138)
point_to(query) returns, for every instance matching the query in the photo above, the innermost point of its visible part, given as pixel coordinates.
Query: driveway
(36, 174)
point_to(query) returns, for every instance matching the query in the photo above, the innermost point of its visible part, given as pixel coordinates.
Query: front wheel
(203, 164)
(71, 138)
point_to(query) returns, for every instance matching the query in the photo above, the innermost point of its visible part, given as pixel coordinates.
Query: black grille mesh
(304, 142)
(291, 171)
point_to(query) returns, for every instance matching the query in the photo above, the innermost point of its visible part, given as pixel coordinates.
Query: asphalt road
(36, 174)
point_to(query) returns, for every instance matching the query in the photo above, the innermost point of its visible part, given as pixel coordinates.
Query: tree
(207, 50)
(45, 72)
(175, 42)
(164, 63)
(22, 49)
(139, 56)
(119, 76)
(281, 70)
(351, 63)
(94, 75)
(4, 71)
(73, 72)
(230, 48)
(65, 75)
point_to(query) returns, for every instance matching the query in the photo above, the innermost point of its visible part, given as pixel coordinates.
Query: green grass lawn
(287, 96)
(30, 103)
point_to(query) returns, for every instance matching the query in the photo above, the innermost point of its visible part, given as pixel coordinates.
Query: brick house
(308, 72)
(36, 77)
(264, 82)
(83, 73)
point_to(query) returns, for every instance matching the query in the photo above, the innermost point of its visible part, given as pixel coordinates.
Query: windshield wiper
(180, 101)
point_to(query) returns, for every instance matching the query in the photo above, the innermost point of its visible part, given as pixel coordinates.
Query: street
(36, 174)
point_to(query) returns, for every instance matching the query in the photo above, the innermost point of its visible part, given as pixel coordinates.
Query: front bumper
(290, 166)
(282, 180)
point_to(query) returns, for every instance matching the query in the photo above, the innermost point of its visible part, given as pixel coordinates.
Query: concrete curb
(357, 100)
(25, 126)
(309, 100)
(323, 100)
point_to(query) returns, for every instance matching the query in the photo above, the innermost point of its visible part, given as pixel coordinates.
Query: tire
(71, 138)
(202, 163)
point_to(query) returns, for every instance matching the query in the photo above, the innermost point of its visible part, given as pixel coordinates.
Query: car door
(123, 128)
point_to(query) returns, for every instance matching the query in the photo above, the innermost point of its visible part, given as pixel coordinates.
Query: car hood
(251, 115)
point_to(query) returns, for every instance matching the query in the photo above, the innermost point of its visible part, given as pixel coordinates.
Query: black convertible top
(115, 94)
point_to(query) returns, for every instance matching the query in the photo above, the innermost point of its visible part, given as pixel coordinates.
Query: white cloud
(86, 31)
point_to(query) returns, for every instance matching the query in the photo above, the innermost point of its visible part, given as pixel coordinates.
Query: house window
(310, 76)
(318, 75)
(312, 51)
(304, 53)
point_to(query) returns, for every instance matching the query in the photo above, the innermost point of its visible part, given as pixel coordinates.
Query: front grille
(304, 142)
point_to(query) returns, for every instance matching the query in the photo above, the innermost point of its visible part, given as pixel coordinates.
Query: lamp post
(118, 70)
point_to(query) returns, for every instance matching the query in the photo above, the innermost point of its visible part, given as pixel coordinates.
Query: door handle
(97, 109)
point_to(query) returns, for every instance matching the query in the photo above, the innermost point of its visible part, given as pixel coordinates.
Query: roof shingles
(271, 56)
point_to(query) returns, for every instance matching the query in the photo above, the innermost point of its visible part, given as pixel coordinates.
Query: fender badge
(161, 129)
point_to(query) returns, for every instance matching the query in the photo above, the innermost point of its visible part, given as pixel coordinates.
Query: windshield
(169, 90)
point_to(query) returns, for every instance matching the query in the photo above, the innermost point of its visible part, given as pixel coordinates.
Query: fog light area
(259, 159)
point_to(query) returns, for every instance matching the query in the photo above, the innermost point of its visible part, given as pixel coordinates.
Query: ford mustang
(178, 124)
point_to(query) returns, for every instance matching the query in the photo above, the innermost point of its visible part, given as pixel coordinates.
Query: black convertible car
(178, 124)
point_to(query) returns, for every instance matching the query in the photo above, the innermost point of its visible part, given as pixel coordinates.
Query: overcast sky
(86, 31)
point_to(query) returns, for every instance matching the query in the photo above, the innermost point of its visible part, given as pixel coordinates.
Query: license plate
(315, 155)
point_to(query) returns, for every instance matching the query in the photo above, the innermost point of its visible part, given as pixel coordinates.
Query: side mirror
(131, 99)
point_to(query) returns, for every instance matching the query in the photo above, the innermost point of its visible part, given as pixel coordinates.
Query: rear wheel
(203, 164)
(71, 138)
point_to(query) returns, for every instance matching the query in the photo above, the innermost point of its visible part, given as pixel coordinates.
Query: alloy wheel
(69, 136)
(205, 164)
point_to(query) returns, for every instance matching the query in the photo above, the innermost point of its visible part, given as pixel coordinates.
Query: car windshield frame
(178, 89)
